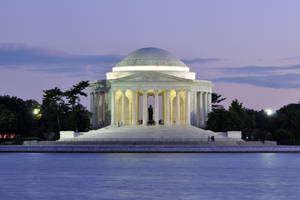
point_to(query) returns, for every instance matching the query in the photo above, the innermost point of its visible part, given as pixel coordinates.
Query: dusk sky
(249, 49)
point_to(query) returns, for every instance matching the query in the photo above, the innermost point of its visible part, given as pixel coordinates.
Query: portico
(126, 106)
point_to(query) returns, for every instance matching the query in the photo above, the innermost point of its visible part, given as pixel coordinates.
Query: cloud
(291, 58)
(22, 56)
(44, 59)
(256, 69)
(201, 60)
(269, 81)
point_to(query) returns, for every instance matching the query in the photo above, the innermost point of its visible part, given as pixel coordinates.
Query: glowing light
(151, 68)
(36, 111)
(269, 112)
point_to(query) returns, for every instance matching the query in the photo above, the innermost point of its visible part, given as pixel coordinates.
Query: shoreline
(145, 149)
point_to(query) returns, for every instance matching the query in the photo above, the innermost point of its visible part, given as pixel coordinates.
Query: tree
(288, 118)
(237, 118)
(216, 99)
(53, 108)
(7, 120)
(219, 120)
(283, 126)
(78, 118)
(16, 116)
(258, 134)
(284, 136)
(63, 111)
(73, 95)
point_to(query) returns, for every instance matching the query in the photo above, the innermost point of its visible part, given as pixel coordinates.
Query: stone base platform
(150, 139)
(150, 134)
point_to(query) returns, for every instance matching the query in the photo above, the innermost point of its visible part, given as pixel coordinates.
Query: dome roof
(150, 59)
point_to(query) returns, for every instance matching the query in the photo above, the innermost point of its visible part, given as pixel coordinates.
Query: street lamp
(36, 111)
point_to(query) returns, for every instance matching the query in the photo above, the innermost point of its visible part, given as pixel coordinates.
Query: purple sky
(249, 49)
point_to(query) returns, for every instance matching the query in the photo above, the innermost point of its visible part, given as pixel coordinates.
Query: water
(149, 176)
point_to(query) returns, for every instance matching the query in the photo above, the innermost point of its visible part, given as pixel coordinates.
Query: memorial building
(150, 87)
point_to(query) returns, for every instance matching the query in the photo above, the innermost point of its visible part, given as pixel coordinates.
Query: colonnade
(202, 106)
(179, 107)
(98, 108)
(176, 106)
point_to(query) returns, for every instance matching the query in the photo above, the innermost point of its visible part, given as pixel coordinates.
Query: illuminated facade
(150, 76)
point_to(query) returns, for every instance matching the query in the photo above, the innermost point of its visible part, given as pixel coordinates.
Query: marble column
(201, 110)
(167, 107)
(133, 107)
(123, 108)
(92, 106)
(95, 111)
(195, 108)
(103, 108)
(98, 109)
(177, 108)
(145, 109)
(112, 108)
(209, 102)
(101, 113)
(187, 108)
(156, 107)
(204, 108)
(198, 108)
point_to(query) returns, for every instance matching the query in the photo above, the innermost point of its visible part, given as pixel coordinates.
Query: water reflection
(149, 176)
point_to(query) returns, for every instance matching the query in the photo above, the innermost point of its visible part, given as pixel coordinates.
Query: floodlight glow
(269, 112)
(36, 111)
(150, 68)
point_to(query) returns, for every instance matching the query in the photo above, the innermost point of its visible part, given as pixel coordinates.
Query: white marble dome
(150, 59)
(123, 98)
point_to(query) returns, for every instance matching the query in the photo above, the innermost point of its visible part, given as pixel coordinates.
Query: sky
(249, 49)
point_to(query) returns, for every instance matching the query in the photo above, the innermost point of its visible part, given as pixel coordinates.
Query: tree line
(282, 126)
(60, 110)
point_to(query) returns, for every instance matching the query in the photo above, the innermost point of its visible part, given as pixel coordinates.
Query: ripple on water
(149, 176)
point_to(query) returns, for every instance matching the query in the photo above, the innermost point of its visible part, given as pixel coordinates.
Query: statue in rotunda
(150, 115)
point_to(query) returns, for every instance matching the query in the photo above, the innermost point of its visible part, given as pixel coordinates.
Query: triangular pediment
(151, 77)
